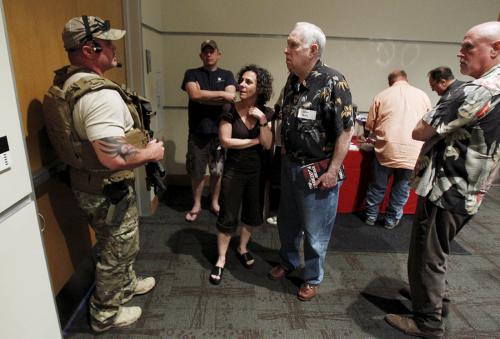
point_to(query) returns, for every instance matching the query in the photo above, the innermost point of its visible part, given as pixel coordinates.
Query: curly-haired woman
(244, 131)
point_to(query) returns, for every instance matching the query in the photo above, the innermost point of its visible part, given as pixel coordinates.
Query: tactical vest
(86, 172)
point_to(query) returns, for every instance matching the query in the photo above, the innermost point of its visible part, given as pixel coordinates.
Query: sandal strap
(217, 271)
(247, 257)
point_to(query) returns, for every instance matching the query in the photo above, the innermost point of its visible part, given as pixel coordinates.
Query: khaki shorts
(203, 151)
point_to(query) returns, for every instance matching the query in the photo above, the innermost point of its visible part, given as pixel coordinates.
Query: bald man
(456, 166)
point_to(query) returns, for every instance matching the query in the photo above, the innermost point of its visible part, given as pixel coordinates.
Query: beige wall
(366, 40)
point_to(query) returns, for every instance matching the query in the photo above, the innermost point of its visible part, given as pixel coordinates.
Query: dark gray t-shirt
(203, 118)
(249, 159)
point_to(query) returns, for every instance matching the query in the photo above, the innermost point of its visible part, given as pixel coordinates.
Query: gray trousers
(433, 229)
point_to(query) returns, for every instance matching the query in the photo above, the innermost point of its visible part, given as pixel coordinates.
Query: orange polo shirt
(393, 115)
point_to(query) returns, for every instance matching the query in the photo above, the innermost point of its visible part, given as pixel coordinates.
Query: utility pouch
(118, 194)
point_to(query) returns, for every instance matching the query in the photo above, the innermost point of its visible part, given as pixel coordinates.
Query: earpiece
(96, 47)
(88, 34)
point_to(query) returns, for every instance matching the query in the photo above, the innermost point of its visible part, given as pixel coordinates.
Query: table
(358, 171)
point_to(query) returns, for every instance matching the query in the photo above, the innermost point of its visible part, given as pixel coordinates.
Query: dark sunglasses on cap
(102, 26)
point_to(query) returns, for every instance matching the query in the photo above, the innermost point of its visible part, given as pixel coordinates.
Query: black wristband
(263, 125)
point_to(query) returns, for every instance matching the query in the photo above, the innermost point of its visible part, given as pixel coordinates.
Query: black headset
(103, 26)
(96, 47)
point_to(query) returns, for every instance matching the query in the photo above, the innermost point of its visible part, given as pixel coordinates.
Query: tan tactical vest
(87, 173)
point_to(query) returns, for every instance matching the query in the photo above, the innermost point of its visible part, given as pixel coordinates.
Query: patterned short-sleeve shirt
(457, 166)
(314, 113)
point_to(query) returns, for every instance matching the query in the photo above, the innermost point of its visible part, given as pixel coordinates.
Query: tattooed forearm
(116, 147)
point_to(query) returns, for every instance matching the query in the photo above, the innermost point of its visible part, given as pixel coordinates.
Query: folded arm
(423, 131)
(265, 135)
(226, 140)
(210, 97)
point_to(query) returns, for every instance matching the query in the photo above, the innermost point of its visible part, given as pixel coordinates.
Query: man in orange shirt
(392, 116)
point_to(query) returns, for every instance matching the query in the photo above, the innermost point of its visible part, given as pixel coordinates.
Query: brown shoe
(307, 291)
(277, 272)
(445, 308)
(409, 326)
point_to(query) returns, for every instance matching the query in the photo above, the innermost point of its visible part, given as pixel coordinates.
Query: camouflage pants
(117, 245)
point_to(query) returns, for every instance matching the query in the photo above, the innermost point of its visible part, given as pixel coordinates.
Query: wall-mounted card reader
(5, 161)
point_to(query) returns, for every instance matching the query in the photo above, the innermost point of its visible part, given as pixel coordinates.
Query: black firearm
(155, 173)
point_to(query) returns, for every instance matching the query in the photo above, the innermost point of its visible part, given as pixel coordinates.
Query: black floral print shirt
(314, 113)
(457, 166)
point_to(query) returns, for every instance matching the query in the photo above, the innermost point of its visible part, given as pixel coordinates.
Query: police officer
(108, 135)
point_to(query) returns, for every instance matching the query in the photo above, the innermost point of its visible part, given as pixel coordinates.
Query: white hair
(312, 34)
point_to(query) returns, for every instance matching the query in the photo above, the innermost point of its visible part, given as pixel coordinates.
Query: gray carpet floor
(359, 288)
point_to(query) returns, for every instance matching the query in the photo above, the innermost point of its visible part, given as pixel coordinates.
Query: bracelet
(263, 125)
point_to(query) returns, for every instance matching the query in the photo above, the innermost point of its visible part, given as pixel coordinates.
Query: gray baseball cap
(208, 43)
(76, 31)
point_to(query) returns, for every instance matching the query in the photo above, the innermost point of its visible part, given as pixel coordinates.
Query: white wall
(366, 40)
(28, 308)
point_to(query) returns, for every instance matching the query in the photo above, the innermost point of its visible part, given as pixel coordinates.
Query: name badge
(307, 114)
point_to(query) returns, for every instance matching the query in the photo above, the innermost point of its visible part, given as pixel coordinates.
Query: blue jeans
(376, 190)
(307, 214)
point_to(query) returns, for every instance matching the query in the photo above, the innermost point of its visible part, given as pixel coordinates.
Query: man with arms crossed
(457, 164)
(208, 88)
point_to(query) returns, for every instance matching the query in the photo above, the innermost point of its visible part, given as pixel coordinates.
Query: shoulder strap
(89, 84)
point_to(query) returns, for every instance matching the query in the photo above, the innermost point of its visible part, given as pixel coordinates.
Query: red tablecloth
(358, 174)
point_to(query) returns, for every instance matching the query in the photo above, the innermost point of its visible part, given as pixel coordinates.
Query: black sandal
(245, 259)
(216, 271)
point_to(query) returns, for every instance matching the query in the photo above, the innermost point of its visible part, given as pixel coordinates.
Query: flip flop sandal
(246, 259)
(193, 215)
(216, 271)
(214, 212)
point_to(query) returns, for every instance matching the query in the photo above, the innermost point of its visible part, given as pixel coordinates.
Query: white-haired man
(317, 127)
